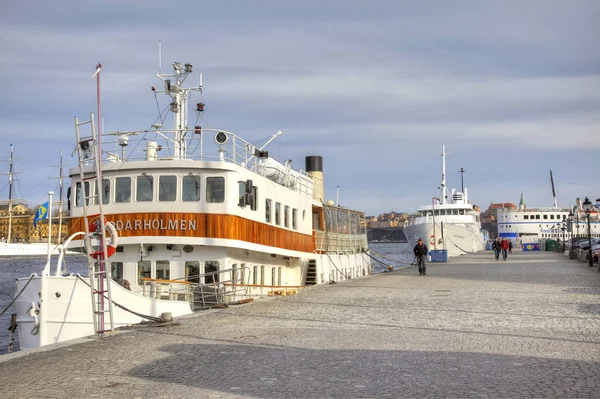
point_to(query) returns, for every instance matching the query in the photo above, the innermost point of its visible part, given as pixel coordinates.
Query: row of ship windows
(193, 272)
(568, 235)
(444, 212)
(190, 191)
(537, 217)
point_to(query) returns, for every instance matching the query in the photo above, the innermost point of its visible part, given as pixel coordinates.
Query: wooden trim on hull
(203, 225)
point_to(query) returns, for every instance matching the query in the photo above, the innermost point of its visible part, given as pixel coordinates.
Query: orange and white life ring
(112, 242)
(432, 240)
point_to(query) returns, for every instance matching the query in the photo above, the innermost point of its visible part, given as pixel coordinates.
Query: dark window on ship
(316, 221)
(105, 191)
(243, 273)
(163, 269)
(262, 275)
(273, 276)
(144, 271)
(234, 274)
(144, 188)
(295, 219)
(551, 216)
(123, 189)
(254, 202)
(167, 188)
(242, 193)
(116, 270)
(286, 216)
(545, 217)
(190, 188)
(211, 266)
(537, 216)
(278, 213)
(192, 271)
(215, 189)
(86, 194)
(526, 217)
(255, 275)
(461, 211)
(268, 210)
(279, 276)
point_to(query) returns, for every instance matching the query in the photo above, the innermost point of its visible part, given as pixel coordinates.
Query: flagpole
(50, 193)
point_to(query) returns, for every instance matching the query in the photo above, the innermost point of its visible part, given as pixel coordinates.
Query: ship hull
(457, 240)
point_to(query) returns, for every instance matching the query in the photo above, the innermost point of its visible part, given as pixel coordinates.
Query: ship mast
(173, 82)
(443, 184)
(10, 187)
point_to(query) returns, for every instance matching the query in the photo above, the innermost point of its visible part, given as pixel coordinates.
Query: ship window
(316, 221)
(268, 210)
(123, 189)
(255, 275)
(242, 193)
(262, 275)
(278, 213)
(545, 216)
(234, 274)
(295, 219)
(551, 216)
(537, 216)
(105, 191)
(192, 271)
(436, 212)
(211, 266)
(163, 269)
(215, 189)
(145, 187)
(286, 216)
(86, 194)
(116, 270)
(167, 188)
(243, 273)
(190, 188)
(279, 276)
(254, 199)
(273, 276)
(342, 221)
(144, 270)
(526, 217)
(461, 211)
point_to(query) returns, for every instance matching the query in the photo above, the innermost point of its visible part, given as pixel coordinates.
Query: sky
(375, 87)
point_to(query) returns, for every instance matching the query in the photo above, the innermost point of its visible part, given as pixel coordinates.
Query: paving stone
(472, 328)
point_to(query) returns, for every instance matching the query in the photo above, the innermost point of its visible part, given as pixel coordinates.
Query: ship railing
(202, 291)
(339, 242)
(199, 145)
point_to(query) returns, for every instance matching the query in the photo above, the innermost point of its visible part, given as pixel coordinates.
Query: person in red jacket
(504, 247)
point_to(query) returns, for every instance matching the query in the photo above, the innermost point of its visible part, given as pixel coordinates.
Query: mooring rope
(17, 296)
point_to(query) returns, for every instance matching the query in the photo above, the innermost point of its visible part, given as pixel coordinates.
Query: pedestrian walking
(420, 253)
(496, 248)
(510, 247)
(504, 247)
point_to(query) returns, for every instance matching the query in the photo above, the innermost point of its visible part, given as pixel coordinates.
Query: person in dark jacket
(420, 253)
(510, 247)
(496, 248)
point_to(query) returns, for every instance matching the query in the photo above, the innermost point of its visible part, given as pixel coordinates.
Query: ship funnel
(314, 168)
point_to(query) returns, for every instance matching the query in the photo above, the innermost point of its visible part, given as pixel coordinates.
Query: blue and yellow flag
(41, 214)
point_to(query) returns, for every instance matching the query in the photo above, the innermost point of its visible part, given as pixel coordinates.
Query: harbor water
(397, 255)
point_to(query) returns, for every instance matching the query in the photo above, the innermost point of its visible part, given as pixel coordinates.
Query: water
(396, 254)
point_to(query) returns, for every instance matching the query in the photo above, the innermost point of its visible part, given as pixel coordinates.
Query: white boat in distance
(188, 218)
(454, 226)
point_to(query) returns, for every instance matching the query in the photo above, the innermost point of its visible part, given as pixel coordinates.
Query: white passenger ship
(453, 226)
(526, 226)
(194, 218)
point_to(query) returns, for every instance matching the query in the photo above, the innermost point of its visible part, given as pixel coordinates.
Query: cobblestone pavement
(525, 328)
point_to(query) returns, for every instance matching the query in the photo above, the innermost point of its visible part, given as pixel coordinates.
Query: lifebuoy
(111, 245)
(432, 240)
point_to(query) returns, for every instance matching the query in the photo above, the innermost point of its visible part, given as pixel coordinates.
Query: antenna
(462, 183)
(159, 56)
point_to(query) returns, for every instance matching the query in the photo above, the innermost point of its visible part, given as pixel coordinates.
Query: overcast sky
(511, 87)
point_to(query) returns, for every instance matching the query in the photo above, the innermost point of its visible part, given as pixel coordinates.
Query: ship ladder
(311, 272)
(89, 149)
